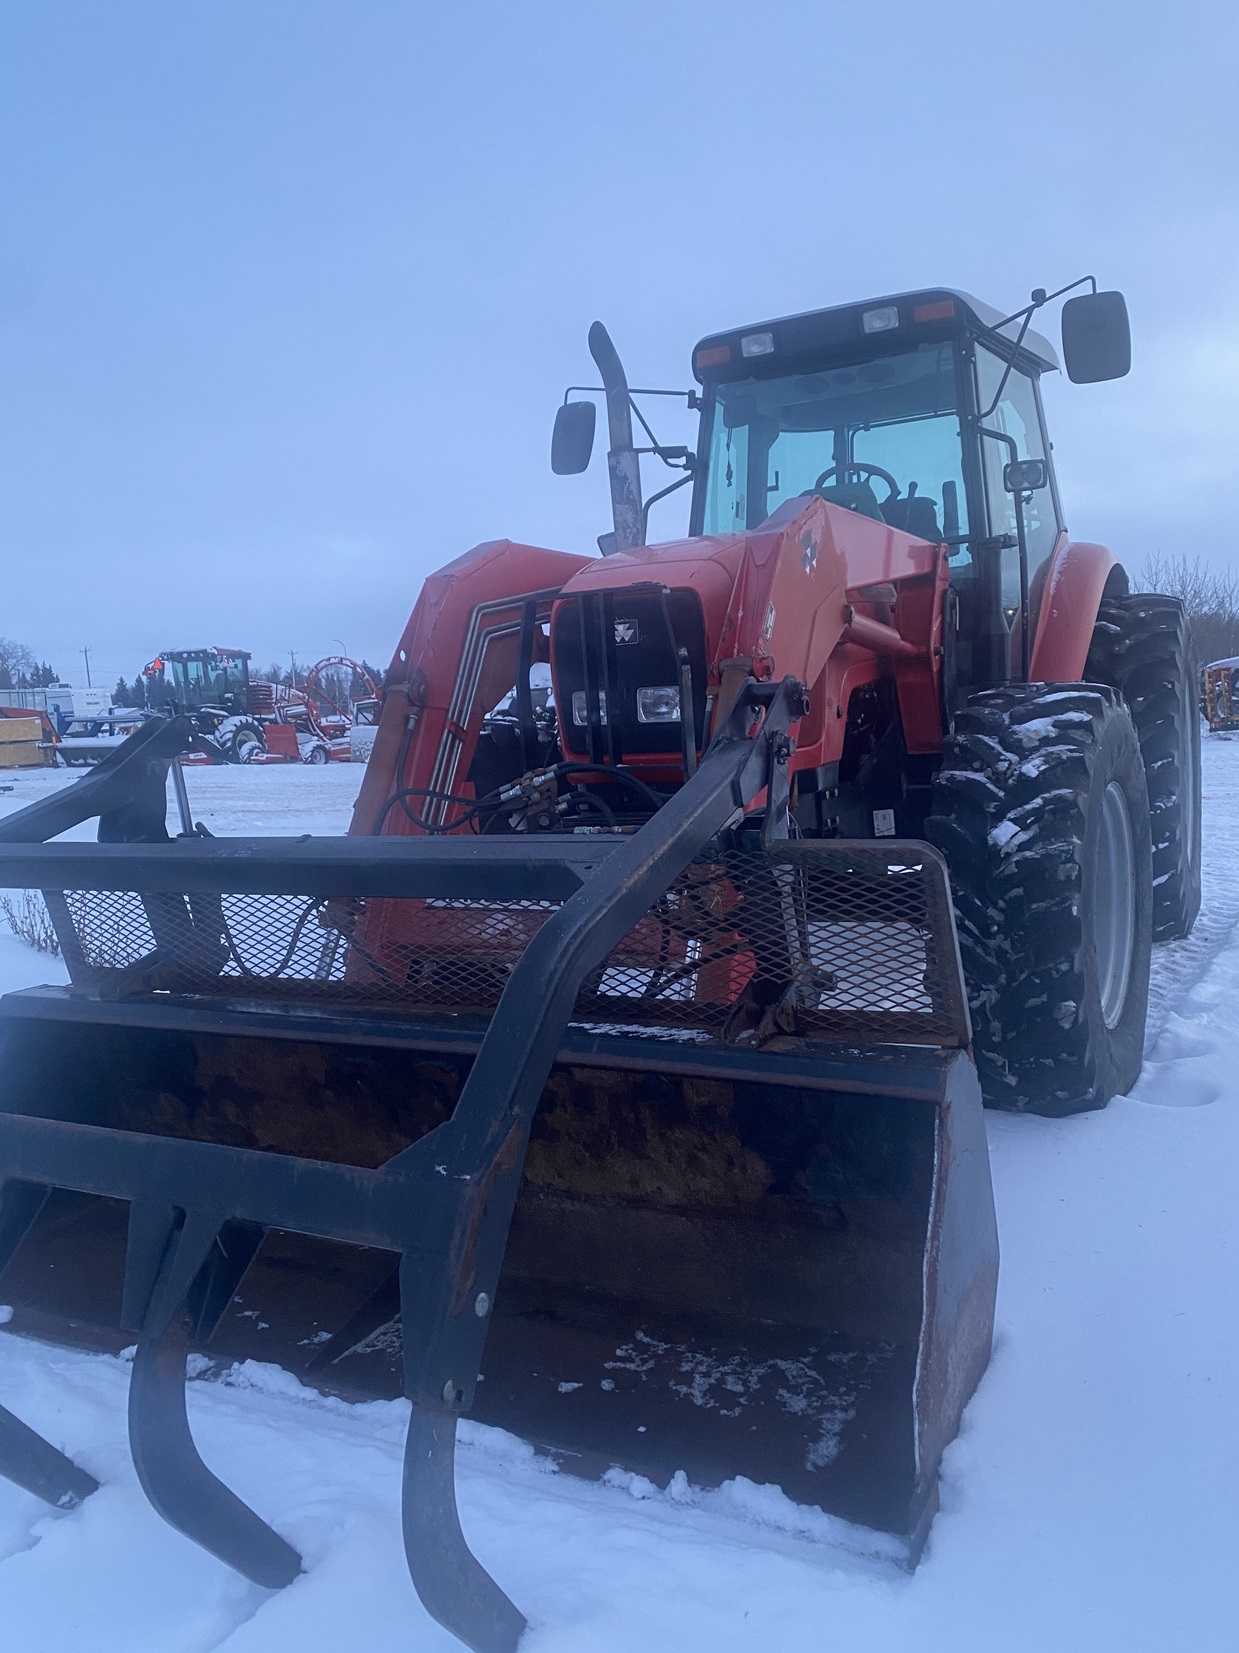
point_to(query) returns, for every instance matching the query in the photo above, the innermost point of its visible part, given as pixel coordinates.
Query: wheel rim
(1114, 906)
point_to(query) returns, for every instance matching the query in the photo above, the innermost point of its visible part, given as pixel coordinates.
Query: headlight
(658, 705)
(579, 715)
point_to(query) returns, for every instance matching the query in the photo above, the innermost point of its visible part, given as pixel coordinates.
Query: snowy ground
(1090, 1502)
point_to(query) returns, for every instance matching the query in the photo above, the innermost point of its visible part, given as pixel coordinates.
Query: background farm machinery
(250, 720)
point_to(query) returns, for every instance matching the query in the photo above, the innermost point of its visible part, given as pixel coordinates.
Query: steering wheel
(854, 468)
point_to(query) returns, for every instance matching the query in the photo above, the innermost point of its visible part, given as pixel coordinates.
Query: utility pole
(85, 653)
(293, 662)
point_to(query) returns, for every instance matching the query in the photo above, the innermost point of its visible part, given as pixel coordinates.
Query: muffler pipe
(623, 465)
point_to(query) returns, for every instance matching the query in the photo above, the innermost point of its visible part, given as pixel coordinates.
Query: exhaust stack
(623, 465)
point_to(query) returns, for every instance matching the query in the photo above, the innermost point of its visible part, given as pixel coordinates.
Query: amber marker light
(715, 356)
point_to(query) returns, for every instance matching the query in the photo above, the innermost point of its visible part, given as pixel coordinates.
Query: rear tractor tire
(1041, 810)
(1142, 647)
(239, 738)
(246, 740)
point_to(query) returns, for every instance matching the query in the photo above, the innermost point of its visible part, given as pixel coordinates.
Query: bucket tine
(164, 1265)
(25, 1457)
(173, 1476)
(183, 1261)
(454, 1587)
(152, 1227)
(36, 1465)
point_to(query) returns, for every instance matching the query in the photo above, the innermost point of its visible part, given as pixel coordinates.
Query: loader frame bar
(198, 1210)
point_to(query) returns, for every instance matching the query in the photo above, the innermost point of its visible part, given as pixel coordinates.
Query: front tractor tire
(1041, 810)
(240, 738)
(1142, 647)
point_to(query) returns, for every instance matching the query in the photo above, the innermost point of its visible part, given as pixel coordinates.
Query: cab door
(1015, 411)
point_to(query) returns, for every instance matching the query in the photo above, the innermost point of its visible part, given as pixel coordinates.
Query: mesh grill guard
(842, 942)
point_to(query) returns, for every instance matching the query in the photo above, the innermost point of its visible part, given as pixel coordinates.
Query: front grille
(607, 646)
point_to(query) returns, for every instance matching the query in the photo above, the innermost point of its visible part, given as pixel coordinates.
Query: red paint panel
(918, 616)
(1074, 583)
(777, 595)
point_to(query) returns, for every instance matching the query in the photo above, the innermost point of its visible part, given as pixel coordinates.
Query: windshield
(881, 437)
(209, 675)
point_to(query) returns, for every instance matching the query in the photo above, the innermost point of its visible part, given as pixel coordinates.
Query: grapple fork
(198, 1210)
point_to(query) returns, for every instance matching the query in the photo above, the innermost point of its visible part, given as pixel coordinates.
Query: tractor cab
(876, 408)
(921, 411)
(196, 678)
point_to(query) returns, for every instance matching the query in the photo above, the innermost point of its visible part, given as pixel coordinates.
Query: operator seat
(855, 496)
(914, 514)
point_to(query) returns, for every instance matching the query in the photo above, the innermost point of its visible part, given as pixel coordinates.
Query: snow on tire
(239, 738)
(1041, 809)
(1142, 647)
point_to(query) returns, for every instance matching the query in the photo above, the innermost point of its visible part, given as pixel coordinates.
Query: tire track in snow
(1180, 966)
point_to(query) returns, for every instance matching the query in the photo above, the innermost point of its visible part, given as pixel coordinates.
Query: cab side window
(1016, 416)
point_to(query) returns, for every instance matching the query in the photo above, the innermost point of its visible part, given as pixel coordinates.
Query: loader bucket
(664, 1152)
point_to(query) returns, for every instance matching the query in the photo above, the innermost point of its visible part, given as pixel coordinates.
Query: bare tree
(1210, 597)
(16, 661)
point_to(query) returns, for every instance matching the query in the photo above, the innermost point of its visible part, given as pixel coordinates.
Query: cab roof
(931, 313)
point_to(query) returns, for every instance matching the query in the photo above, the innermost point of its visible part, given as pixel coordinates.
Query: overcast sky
(290, 290)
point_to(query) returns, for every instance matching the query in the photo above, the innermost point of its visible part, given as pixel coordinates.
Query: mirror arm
(667, 455)
(1039, 297)
(1006, 372)
(675, 459)
(662, 494)
(692, 397)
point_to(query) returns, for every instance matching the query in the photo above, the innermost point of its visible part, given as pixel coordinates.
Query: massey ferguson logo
(627, 631)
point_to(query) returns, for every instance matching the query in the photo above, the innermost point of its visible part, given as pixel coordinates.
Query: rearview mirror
(739, 411)
(1096, 338)
(572, 440)
(1025, 476)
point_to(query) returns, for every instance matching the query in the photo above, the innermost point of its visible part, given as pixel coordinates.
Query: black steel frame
(198, 1211)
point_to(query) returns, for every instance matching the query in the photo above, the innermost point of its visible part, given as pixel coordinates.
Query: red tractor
(875, 512)
(616, 1078)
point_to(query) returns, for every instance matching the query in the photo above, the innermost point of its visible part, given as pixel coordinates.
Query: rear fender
(1079, 574)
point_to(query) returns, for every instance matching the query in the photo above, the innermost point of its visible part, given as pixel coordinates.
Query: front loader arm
(127, 791)
(460, 653)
